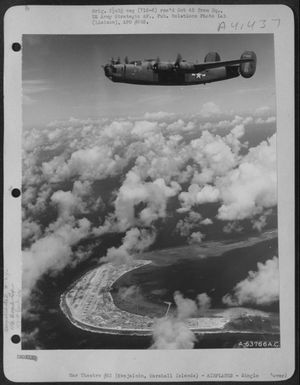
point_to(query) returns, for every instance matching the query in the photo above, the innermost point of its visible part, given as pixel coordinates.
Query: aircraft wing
(216, 64)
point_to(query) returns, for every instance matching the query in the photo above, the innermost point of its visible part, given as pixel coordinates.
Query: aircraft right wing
(205, 66)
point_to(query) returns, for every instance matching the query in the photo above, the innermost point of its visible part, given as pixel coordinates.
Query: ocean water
(215, 275)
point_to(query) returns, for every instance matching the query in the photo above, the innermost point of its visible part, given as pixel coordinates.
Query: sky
(63, 78)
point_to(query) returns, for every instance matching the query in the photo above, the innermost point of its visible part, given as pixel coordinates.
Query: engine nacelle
(163, 67)
(248, 69)
(185, 66)
(212, 56)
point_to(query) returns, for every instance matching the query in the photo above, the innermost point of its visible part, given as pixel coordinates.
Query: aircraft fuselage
(143, 73)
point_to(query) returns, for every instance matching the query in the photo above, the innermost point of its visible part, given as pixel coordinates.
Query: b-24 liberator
(180, 72)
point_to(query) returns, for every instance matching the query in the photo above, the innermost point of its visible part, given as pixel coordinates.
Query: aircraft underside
(179, 79)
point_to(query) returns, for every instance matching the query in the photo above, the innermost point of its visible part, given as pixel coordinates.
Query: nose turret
(108, 71)
(114, 71)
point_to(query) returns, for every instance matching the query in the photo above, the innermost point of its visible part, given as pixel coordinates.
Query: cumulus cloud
(267, 120)
(52, 252)
(262, 111)
(185, 307)
(244, 186)
(209, 109)
(153, 195)
(78, 201)
(213, 153)
(197, 195)
(196, 237)
(172, 332)
(231, 227)
(261, 287)
(91, 163)
(190, 222)
(160, 115)
(30, 230)
(135, 241)
(66, 202)
(203, 302)
(206, 222)
(248, 189)
(260, 222)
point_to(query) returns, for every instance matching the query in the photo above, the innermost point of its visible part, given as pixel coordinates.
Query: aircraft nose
(106, 70)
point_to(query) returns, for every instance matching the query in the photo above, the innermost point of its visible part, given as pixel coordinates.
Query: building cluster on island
(90, 302)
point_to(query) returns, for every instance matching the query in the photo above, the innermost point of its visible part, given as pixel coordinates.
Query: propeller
(155, 65)
(177, 62)
(126, 60)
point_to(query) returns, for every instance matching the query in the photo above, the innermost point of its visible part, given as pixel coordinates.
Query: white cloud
(185, 307)
(265, 120)
(66, 202)
(196, 237)
(78, 201)
(153, 195)
(262, 111)
(245, 185)
(261, 287)
(93, 163)
(30, 230)
(52, 252)
(260, 222)
(144, 128)
(135, 241)
(209, 109)
(206, 222)
(212, 152)
(197, 195)
(203, 302)
(160, 115)
(251, 187)
(233, 226)
(190, 222)
(172, 332)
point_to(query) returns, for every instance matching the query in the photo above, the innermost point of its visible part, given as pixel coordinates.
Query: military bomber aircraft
(180, 72)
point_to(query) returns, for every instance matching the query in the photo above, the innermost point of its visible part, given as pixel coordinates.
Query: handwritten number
(251, 24)
(222, 26)
(263, 23)
(278, 22)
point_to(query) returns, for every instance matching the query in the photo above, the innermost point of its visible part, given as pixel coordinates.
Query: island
(89, 304)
